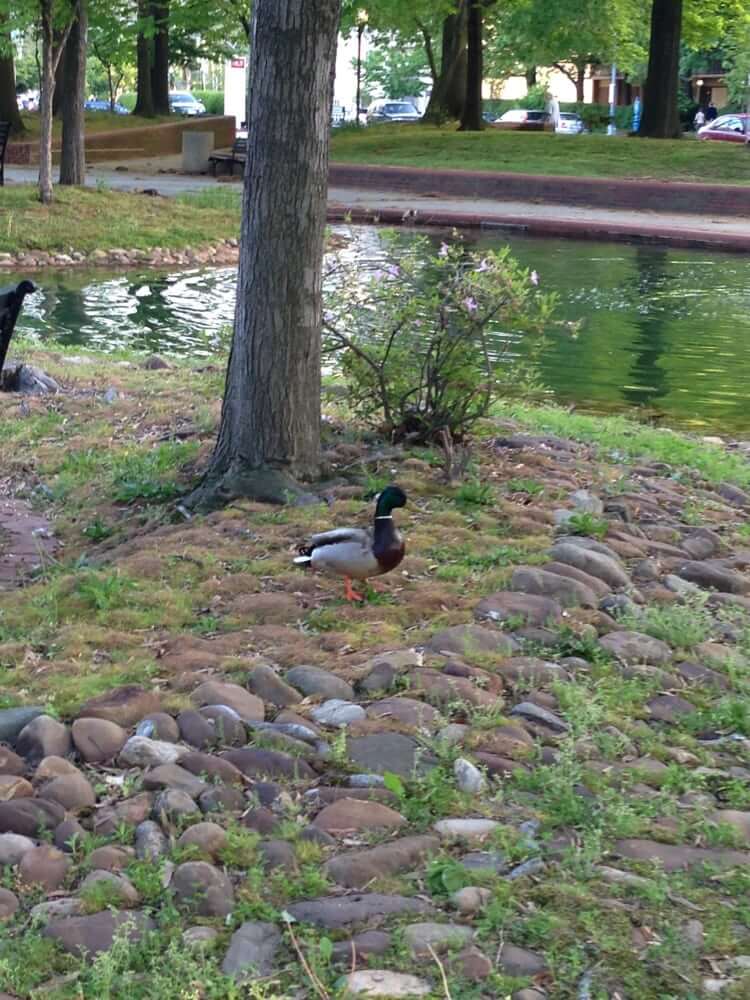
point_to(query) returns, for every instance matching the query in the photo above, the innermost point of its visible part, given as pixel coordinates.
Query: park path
(675, 228)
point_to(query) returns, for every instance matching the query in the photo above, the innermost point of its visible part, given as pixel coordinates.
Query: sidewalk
(714, 232)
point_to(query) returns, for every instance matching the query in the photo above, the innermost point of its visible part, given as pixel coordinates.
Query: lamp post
(611, 130)
(362, 19)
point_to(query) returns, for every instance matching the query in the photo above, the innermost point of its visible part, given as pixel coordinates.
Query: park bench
(227, 158)
(4, 136)
(11, 303)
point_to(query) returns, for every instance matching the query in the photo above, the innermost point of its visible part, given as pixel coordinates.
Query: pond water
(663, 330)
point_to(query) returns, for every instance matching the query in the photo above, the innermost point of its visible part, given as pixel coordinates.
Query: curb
(591, 192)
(569, 228)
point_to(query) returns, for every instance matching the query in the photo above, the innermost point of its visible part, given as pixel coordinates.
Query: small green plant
(588, 524)
(425, 799)
(241, 847)
(97, 530)
(475, 494)
(529, 486)
(446, 875)
(104, 591)
(681, 625)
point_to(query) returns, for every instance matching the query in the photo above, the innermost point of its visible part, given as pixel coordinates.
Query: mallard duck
(357, 554)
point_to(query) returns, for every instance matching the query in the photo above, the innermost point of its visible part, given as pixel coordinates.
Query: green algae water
(663, 333)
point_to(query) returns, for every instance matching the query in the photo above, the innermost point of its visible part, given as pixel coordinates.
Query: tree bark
(661, 118)
(144, 101)
(580, 81)
(269, 435)
(471, 116)
(160, 65)
(530, 76)
(72, 151)
(8, 104)
(449, 90)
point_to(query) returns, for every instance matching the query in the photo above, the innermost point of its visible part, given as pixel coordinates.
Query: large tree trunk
(449, 90)
(144, 101)
(471, 117)
(270, 423)
(160, 65)
(8, 104)
(72, 151)
(580, 81)
(661, 118)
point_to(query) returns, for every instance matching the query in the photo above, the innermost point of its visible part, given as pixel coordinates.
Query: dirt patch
(26, 541)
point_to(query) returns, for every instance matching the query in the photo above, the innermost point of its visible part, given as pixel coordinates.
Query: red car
(727, 128)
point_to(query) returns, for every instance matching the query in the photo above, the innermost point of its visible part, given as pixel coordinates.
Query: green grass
(620, 438)
(543, 153)
(101, 219)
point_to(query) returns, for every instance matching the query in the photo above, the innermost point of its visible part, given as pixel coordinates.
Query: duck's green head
(392, 496)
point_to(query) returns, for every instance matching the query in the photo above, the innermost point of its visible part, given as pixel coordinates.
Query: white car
(570, 123)
(392, 111)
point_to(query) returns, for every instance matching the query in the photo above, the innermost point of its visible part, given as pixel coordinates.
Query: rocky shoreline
(580, 731)
(222, 254)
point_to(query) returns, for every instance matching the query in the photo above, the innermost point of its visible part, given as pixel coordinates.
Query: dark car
(184, 103)
(523, 119)
(100, 105)
(392, 111)
(726, 128)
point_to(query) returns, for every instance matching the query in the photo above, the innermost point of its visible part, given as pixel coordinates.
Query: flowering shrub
(425, 340)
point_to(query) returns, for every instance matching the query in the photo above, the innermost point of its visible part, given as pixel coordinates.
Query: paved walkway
(673, 228)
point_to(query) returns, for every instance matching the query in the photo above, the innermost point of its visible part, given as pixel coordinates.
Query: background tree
(56, 19)
(661, 117)
(8, 104)
(395, 67)
(471, 115)
(112, 41)
(270, 423)
(160, 58)
(72, 148)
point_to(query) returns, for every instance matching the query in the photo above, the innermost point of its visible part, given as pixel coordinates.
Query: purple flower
(483, 266)
(471, 304)
(394, 270)
(444, 250)
(534, 278)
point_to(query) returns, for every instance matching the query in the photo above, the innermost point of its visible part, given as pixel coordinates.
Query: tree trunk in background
(580, 80)
(661, 118)
(8, 105)
(72, 151)
(160, 65)
(144, 101)
(270, 423)
(471, 116)
(449, 91)
(57, 97)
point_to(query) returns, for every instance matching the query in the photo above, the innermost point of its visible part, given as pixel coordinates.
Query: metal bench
(228, 158)
(4, 136)
(11, 303)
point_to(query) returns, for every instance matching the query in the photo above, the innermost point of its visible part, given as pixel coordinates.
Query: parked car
(489, 116)
(184, 103)
(391, 111)
(524, 119)
(101, 105)
(571, 123)
(727, 128)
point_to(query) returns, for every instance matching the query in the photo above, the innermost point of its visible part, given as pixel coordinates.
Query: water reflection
(666, 331)
(647, 376)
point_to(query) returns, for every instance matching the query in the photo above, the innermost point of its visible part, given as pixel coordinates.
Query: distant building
(595, 86)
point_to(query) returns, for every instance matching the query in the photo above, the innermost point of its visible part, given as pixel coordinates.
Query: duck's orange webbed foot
(350, 594)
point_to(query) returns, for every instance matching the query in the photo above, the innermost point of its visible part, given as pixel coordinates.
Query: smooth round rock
(43, 737)
(98, 740)
(203, 889)
(45, 866)
(208, 838)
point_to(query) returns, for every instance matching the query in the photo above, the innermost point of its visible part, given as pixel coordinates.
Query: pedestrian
(700, 119)
(636, 114)
(553, 111)
(711, 112)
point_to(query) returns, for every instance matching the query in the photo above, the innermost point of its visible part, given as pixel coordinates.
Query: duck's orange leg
(351, 595)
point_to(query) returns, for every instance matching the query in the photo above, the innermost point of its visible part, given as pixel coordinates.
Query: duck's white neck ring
(384, 517)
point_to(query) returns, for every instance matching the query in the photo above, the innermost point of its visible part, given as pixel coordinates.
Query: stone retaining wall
(164, 139)
(594, 192)
(222, 254)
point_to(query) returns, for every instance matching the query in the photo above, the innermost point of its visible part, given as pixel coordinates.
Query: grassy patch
(621, 439)
(542, 153)
(102, 219)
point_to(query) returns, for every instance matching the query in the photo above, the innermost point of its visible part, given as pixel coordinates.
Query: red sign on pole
(238, 64)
